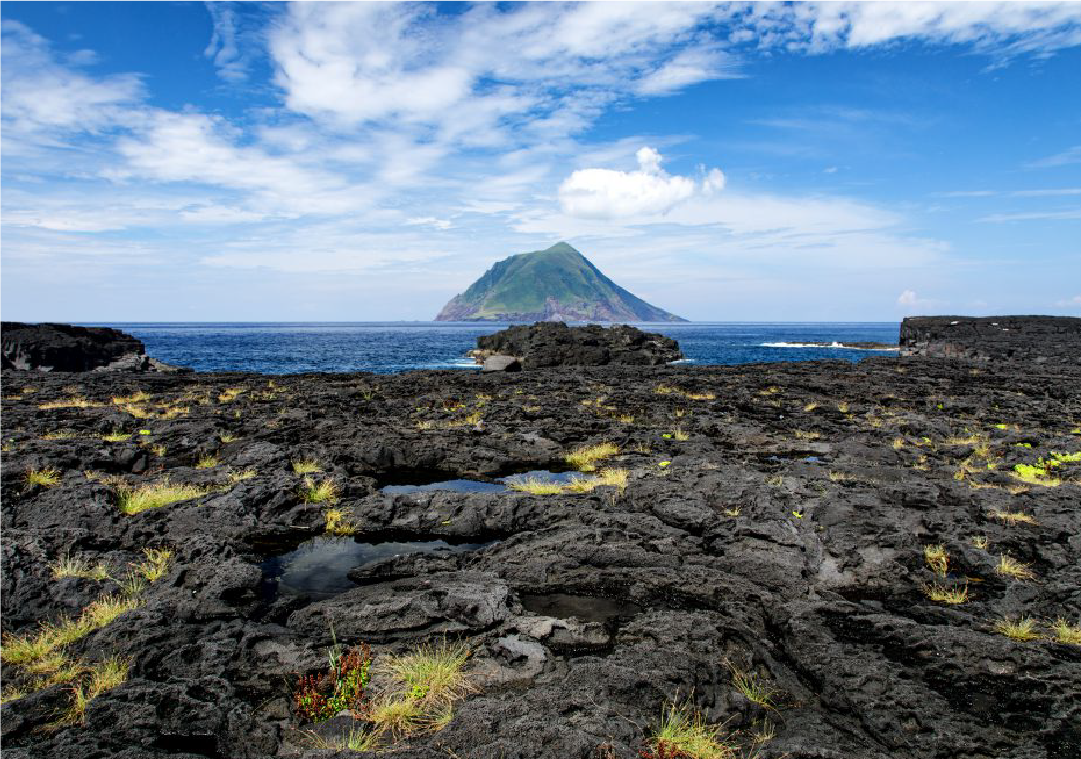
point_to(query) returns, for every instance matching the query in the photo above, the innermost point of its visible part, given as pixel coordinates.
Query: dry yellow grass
(936, 558)
(136, 500)
(1023, 629)
(585, 458)
(1011, 567)
(943, 594)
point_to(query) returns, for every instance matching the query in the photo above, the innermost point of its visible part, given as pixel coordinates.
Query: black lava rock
(555, 344)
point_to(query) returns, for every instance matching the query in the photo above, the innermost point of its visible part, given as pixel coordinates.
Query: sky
(349, 161)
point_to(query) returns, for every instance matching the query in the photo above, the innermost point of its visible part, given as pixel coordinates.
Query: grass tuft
(1024, 629)
(682, 732)
(27, 649)
(946, 595)
(156, 564)
(585, 458)
(1014, 517)
(46, 477)
(606, 477)
(244, 474)
(338, 523)
(936, 558)
(323, 492)
(70, 566)
(1066, 632)
(100, 678)
(116, 437)
(307, 466)
(421, 688)
(207, 462)
(1011, 567)
(137, 500)
(753, 687)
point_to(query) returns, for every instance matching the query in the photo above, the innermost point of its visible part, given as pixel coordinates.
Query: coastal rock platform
(825, 559)
(548, 344)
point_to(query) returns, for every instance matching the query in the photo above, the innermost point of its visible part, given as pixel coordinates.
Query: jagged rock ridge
(557, 284)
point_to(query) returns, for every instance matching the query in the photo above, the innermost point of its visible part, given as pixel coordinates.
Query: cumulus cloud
(907, 299)
(611, 194)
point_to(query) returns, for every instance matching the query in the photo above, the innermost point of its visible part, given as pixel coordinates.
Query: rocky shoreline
(780, 553)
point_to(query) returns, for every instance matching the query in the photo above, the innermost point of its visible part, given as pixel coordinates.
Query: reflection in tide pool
(319, 568)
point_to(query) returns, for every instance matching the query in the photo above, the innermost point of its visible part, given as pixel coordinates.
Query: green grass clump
(942, 594)
(421, 688)
(936, 558)
(307, 466)
(1024, 629)
(338, 523)
(1011, 567)
(156, 564)
(46, 477)
(323, 492)
(753, 687)
(1066, 632)
(682, 732)
(207, 462)
(137, 500)
(116, 437)
(99, 678)
(27, 649)
(534, 486)
(70, 566)
(585, 458)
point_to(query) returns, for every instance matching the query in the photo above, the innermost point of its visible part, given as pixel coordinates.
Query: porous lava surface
(774, 523)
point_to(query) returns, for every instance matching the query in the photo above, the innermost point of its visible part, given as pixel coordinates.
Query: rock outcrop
(52, 347)
(1027, 339)
(546, 344)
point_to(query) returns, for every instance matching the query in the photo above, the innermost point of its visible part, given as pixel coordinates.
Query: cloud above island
(611, 194)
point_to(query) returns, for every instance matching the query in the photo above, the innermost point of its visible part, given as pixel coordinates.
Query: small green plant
(136, 500)
(1023, 629)
(1036, 474)
(585, 459)
(69, 566)
(980, 541)
(323, 492)
(227, 438)
(943, 594)
(680, 435)
(27, 649)
(58, 435)
(156, 564)
(753, 687)
(421, 688)
(338, 523)
(307, 466)
(116, 436)
(936, 558)
(132, 584)
(683, 733)
(207, 462)
(46, 477)
(99, 679)
(1066, 632)
(1011, 567)
(343, 688)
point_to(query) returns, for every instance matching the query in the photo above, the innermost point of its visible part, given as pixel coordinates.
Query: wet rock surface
(548, 344)
(775, 523)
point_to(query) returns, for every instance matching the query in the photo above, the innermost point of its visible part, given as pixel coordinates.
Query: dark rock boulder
(1033, 339)
(65, 348)
(555, 344)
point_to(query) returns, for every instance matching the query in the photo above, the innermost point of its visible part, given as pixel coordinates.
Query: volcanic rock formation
(1030, 339)
(65, 348)
(555, 344)
(557, 284)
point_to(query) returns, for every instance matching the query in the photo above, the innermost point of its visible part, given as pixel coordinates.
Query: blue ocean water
(388, 347)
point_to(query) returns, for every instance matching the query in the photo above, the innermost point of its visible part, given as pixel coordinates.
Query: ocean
(389, 347)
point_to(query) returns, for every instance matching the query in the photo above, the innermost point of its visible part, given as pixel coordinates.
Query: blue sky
(361, 161)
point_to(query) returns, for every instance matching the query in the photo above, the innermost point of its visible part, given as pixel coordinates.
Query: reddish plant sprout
(663, 750)
(344, 687)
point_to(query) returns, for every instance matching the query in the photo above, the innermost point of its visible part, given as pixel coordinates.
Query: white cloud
(42, 97)
(428, 221)
(686, 68)
(223, 48)
(1069, 302)
(907, 299)
(1034, 216)
(1065, 158)
(610, 194)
